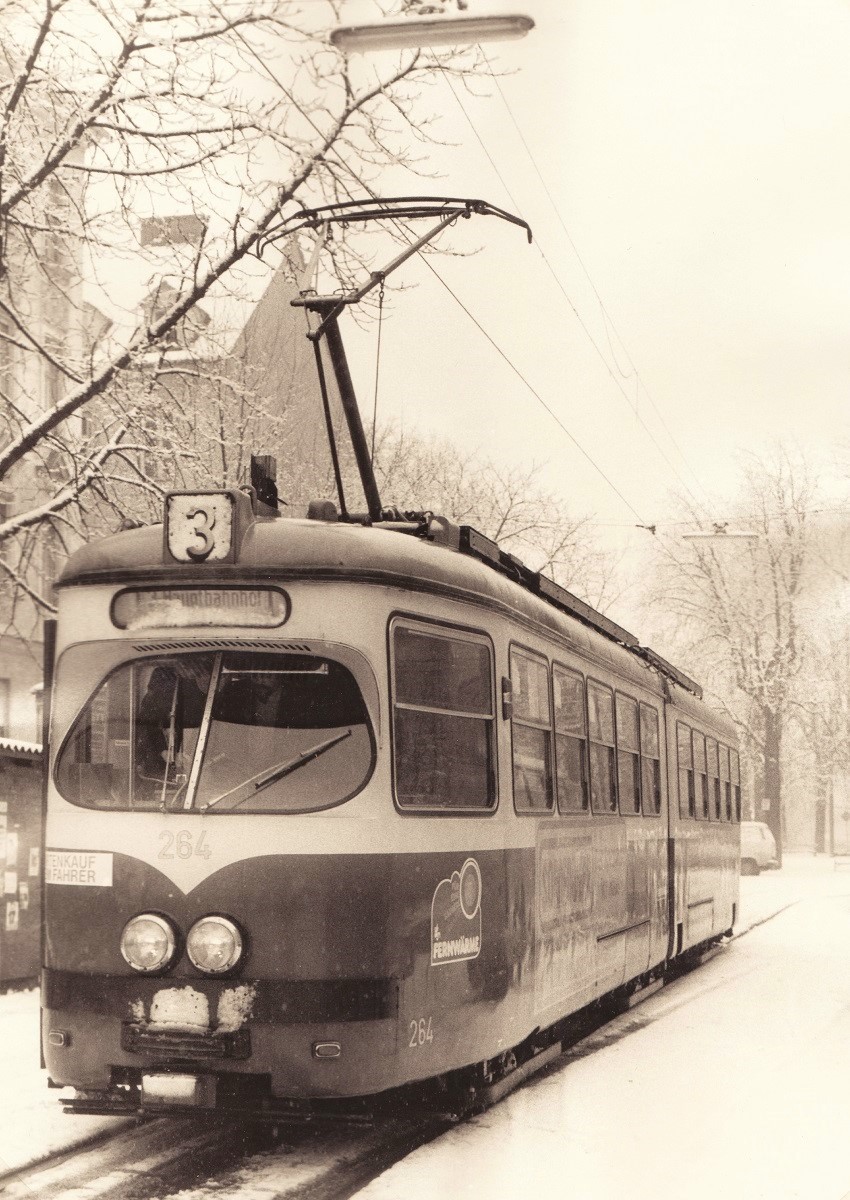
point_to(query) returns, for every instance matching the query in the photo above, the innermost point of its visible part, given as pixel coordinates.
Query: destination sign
(182, 607)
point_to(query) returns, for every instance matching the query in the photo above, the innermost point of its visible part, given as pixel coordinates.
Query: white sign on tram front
(79, 868)
(199, 526)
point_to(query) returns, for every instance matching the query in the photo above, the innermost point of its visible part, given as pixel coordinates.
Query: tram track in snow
(168, 1155)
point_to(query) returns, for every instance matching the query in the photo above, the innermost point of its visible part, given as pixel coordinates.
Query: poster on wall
(10, 883)
(12, 917)
(35, 861)
(24, 895)
(11, 849)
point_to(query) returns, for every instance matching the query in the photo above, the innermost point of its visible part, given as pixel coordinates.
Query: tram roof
(290, 549)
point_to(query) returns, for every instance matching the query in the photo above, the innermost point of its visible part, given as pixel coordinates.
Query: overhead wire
(568, 298)
(532, 389)
(609, 321)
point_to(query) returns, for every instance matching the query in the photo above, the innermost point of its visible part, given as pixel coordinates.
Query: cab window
(222, 732)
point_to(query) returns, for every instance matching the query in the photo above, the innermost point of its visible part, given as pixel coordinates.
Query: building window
(603, 785)
(443, 719)
(570, 741)
(532, 733)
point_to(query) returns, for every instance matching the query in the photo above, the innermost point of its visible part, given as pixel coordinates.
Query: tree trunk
(771, 799)
(821, 805)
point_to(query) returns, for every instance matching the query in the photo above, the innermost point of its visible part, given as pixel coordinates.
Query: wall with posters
(20, 860)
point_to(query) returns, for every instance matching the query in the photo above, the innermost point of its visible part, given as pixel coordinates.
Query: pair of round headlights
(149, 943)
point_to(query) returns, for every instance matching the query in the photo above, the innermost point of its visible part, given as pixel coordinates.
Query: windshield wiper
(264, 778)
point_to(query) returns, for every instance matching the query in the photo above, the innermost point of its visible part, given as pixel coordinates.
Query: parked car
(758, 848)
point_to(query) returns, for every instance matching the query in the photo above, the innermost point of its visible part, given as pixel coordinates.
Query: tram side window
(603, 786)
(735, 772)
(687, 797)
(532, 733)
(628, 754)
(570, 741)
(725, 785)
(650, 760)
(443, 720)
(713, 779)
(700, 780)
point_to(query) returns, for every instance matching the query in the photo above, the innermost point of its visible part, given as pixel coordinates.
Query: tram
(341, 805)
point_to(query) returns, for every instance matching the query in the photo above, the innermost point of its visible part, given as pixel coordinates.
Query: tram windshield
(232, 731)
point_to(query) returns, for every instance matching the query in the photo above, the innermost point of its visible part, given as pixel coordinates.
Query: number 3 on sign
(421, 1033)
(199, 526)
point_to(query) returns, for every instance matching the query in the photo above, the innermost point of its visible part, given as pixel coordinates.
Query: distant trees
(506, 503)
(740, 608)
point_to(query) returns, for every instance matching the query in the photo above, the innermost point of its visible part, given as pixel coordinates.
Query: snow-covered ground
(737, 1070)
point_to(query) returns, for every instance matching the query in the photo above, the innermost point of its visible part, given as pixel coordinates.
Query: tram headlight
(148, 942)
(214, 945)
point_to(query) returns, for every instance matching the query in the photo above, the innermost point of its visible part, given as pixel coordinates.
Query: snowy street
(733, 1081)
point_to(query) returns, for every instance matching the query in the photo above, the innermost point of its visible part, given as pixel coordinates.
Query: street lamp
(430, 31)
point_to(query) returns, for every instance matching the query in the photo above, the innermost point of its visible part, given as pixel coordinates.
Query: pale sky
(698, 158)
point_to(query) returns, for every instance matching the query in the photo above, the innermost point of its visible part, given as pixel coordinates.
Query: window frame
(583, 741)
(714, 798)
(536, 656)
(634, 754)
(688, 770)
(612, 746)
(448, 631)
(657, 789)
(724, 756)
(735, 778)
(701, 797)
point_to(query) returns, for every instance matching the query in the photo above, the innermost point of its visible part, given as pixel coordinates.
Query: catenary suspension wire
(532, 389)
(608, 321)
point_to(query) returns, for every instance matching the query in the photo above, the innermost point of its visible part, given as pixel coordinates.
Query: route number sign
(199, 526)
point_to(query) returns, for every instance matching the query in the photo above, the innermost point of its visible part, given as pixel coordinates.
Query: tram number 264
(421, 1033)
(183, 844)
